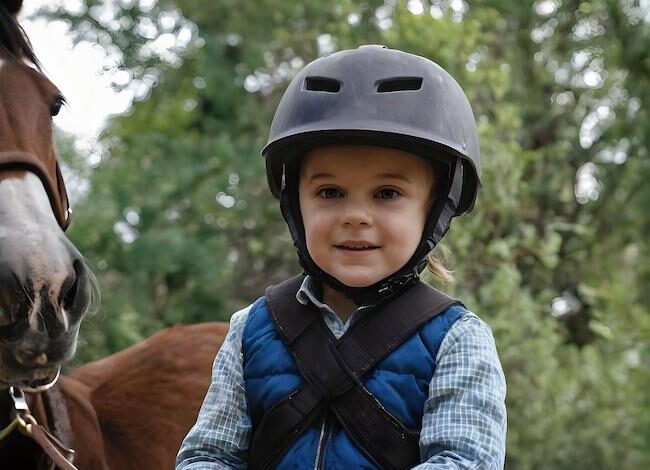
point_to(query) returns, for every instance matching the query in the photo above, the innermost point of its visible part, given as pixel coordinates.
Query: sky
(77, 71)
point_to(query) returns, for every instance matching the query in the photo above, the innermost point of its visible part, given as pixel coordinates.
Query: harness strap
(53, 184)
(333, 370)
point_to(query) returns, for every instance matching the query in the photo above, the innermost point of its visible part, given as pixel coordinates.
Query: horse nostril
(70, 287)
(69, 291)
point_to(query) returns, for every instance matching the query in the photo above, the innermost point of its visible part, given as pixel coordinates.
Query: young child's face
(363, 209)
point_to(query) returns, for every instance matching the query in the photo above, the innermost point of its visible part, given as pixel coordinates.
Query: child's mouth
(356, 247)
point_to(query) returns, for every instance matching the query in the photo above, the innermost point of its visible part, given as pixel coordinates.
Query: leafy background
(179, 226)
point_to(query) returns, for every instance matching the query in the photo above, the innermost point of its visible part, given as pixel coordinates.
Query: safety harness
(333, 371)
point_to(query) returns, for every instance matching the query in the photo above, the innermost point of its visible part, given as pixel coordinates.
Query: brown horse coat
(131, 410)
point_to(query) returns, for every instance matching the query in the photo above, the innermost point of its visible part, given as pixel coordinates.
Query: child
(358, 364)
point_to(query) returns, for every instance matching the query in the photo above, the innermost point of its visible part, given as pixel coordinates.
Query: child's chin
(357, 276)
(358, 281)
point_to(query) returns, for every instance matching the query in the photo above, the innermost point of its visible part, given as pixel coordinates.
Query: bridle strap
(58, 451)
(54, 186)
(58, 417)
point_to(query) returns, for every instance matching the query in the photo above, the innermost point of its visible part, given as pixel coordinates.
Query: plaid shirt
(464, 421)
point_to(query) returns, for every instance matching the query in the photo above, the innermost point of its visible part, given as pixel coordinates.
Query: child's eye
(387, 193)
(329, 193)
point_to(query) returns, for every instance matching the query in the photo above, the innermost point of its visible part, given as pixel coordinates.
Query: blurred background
(174, 101)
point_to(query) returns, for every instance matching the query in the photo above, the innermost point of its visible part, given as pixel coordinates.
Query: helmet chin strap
(438, 222)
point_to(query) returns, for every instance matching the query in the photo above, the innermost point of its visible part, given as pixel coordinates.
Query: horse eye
(55, 107)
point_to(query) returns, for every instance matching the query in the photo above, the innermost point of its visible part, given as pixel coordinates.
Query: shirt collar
(310, 291)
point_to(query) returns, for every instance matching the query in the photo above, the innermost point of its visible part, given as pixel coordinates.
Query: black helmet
(377, 96)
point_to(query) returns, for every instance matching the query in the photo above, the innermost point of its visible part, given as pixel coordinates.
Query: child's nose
(357, 214)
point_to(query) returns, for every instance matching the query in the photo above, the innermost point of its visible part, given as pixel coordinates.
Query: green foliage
(180, 227)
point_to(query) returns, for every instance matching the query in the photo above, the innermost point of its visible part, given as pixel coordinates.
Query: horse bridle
(60, 454)
(24, 161)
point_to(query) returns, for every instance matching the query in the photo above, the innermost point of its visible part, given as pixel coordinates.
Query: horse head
(45, 286)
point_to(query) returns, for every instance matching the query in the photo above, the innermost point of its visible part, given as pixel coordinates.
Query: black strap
(333, 370)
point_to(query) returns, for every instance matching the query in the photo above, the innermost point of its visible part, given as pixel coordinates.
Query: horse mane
(14, 44)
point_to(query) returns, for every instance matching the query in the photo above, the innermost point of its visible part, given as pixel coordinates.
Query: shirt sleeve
(220, 438)
(464, 421)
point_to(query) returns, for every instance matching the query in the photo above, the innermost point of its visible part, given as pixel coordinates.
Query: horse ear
(13, 6)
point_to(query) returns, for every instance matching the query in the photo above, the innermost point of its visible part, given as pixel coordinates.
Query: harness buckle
(392, 286)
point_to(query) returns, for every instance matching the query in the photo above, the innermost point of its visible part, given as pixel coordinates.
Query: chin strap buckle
(395, 285)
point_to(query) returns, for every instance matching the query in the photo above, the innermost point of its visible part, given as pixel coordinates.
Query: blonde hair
(437, 267)
(435, 262)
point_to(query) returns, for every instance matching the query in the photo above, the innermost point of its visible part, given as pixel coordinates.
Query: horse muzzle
(39, 325)
(34, 361)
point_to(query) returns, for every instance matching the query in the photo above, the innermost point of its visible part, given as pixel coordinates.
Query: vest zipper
(322, 442)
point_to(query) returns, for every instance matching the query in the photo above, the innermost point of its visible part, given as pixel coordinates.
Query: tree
(180, 226)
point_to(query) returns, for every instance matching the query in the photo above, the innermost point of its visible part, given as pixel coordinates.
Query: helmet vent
(399, 84)
(328, 85)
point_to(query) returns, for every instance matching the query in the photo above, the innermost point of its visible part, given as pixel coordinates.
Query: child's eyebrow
(397, 176)
(320, 176)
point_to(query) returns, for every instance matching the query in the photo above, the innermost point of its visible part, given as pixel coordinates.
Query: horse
(129, 410)
(126, 411)
(45, 286)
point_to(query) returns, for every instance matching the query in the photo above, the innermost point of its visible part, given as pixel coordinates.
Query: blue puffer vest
(400, 382)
